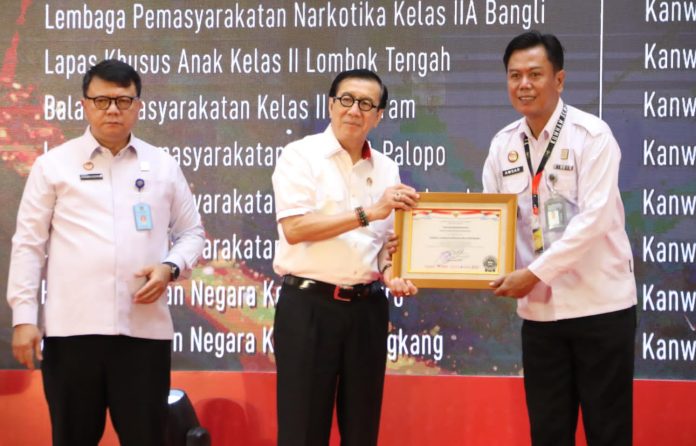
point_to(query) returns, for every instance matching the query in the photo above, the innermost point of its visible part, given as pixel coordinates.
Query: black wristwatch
(173, 270)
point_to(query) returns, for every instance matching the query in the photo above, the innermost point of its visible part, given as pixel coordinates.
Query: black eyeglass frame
(130, 100)
(362, 103)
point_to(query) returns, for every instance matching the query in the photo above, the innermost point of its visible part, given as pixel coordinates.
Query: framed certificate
(456, 240)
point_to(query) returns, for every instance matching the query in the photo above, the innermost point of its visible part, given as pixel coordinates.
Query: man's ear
(380, 115)
(560, 80)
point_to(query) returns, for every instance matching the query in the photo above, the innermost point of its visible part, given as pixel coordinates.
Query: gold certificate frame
(456, 240)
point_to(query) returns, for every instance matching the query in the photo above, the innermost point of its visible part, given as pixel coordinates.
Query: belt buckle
(337, 293)
(305, 284)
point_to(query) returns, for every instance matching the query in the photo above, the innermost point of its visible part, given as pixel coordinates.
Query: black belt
(337, 292)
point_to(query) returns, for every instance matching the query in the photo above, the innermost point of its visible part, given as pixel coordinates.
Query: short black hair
(113, 70)
(361, 74)
(530, 39)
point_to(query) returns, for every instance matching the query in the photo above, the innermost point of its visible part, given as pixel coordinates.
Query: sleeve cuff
(291, 213)
(184, 269)
(546, 275)
(25, 313)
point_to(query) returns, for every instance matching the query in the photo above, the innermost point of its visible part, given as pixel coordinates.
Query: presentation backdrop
(228, 84)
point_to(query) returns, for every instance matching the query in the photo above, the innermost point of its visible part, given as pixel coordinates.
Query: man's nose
(526, 82)
(355, 108)
(112, 108)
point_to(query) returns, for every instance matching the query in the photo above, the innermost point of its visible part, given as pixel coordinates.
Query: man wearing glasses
(116, 217)
(335, 198)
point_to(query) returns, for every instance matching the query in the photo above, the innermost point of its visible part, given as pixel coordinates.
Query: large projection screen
(228, 84)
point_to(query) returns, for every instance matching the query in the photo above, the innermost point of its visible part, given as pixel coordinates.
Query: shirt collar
(548, 128)
(332, 146)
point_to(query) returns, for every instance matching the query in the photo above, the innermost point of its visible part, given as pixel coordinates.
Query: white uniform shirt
(87, 228)
(589, 270)
(315, 174)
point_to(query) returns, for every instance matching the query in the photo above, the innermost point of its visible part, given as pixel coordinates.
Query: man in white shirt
(117, 220)
(335, 198)
(575, 282)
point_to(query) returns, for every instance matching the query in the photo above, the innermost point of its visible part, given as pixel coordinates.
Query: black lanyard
(536, 177)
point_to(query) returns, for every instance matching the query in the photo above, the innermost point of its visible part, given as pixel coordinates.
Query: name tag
(513, 171)
(566, 167)
(91, 176)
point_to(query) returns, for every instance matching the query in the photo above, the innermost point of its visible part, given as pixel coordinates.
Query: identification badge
(143, 217)
(557, 212)
(556, 218)
(537, 235)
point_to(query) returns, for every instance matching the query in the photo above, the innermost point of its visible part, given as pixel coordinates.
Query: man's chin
(351, 129)
(525, 108)
(112, 134)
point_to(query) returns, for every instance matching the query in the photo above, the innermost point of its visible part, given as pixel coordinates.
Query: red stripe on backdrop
(239, 409)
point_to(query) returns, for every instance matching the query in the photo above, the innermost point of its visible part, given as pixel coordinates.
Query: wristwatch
(173, 270)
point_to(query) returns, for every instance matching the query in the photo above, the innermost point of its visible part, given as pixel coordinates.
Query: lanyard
(536, 177)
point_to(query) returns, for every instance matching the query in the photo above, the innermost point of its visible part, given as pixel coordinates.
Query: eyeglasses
(104, 102)
(363, 104)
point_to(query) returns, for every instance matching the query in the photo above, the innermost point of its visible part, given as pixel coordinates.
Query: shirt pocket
(564, 184)
(330, 200)
(519, 184)
(158, 194)
(516, 183)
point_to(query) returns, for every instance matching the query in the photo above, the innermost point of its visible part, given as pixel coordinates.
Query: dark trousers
(83, 375)
(329, 351)
(585, 362)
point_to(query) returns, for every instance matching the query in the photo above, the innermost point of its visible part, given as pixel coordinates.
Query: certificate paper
(456, 240)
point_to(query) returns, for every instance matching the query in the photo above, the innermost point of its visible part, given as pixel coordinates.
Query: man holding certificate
(335, 198)
(575, 281)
